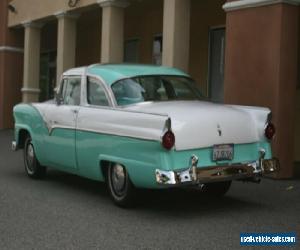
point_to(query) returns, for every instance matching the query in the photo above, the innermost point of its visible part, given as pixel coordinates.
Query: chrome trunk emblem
(219, 130)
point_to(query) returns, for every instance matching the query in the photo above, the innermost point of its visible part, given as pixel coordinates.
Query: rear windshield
(155, 88)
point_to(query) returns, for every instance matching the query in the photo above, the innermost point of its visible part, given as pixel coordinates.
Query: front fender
(28, 118)
(17, 133)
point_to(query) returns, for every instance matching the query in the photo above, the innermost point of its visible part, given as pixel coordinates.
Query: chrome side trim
(47, 125)
(124, 110)
(101, 133)
(59, 127)
(50, 125)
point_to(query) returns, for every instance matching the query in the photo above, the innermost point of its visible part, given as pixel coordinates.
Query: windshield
(155, 88)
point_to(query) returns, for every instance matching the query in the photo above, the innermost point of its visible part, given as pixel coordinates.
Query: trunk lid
(198, 124)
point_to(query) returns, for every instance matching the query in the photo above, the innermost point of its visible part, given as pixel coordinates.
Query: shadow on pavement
(177, 201)
(184, 201)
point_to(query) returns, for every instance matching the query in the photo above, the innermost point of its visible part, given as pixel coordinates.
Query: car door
(61, 119)
(89, 142)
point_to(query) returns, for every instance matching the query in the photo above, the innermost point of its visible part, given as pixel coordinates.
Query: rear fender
(142, 174)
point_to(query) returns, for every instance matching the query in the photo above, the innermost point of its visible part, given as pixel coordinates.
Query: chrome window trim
(108, 92)
(52, 128)
(199, 94)
(59, 89)
(107, 89)
(104, 87)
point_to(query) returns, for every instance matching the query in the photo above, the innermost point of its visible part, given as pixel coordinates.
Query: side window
(96, 93)
(63, 85)
(71, 91)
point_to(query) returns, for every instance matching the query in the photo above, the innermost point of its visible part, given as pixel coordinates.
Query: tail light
(168, 140)
(270, 131)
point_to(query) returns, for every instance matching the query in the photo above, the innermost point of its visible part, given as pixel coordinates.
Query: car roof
(111, 73)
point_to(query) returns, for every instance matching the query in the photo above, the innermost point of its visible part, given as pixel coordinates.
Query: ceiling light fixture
(73, 3)
(11, 8)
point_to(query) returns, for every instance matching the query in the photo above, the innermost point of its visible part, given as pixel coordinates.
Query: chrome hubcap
(118, 178)
(30, 157)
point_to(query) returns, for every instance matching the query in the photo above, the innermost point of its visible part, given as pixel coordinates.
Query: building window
(131, 48)
(157, 50)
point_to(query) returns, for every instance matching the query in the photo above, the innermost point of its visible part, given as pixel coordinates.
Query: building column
(176, 34)
(261, 65)
(66, 43)
(112, 41)
(31, 75)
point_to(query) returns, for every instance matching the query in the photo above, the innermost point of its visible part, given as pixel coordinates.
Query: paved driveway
(68, 212)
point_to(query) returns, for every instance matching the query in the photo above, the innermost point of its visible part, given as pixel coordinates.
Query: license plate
(223, 152)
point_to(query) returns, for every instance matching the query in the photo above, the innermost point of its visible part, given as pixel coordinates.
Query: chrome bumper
(201, 175)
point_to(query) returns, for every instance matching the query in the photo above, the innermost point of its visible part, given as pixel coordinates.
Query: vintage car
(138, 126)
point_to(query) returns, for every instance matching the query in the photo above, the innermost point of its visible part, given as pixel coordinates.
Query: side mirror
(58, 99)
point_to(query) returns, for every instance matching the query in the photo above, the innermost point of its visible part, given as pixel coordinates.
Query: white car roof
(75, 71)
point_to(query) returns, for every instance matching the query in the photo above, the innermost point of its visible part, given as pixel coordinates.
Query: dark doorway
(131, 51)
(216, 64)
(47, 75)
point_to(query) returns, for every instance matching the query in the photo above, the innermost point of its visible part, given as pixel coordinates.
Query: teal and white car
(137, 126)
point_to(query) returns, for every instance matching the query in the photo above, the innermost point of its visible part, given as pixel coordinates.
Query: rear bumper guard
(195, 175)
(14, 146)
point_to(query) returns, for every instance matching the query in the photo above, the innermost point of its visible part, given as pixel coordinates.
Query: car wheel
(216, 189)
(32, 167)
(120, 187)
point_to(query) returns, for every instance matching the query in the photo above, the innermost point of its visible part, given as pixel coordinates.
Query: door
(61, 119)
(131, 53)
(89, 145)
(47, 75)
(216, 64)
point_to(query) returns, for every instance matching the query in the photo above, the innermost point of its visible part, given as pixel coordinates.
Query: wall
(144, 20)
(49, 36)
(2, 21)
(88, 42)
(297, 108)
(297, 127)
(12, 84)
(2, 42)
(11, 68)
(261, 69)
(204, 15)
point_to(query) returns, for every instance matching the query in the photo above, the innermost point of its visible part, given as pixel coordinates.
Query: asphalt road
(68, 212)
